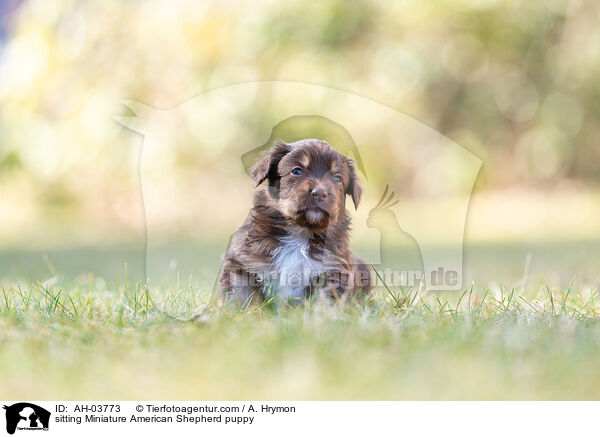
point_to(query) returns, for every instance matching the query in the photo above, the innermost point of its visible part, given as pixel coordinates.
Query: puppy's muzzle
(319, 194)
(316, 215)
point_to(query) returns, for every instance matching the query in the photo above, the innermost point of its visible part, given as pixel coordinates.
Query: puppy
(296, 239)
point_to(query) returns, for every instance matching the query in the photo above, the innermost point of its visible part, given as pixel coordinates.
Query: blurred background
(515, 83)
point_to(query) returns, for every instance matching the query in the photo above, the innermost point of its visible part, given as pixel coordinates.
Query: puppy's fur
(295, 240)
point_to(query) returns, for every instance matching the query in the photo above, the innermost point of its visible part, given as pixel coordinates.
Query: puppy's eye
(297, 171)
(337, 178)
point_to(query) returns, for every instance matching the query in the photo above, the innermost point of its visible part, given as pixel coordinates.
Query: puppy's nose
(319, 194)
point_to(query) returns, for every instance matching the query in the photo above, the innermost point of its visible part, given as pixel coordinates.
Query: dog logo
(26, 416)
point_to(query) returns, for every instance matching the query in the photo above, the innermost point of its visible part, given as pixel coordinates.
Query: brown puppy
(295, 240)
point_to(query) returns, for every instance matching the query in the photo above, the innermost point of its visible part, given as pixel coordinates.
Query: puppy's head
(308, 182)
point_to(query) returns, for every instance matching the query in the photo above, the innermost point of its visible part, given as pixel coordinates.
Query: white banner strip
(264, 418)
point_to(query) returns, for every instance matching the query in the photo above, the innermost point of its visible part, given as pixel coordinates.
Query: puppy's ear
(354, 189)
(266, 167)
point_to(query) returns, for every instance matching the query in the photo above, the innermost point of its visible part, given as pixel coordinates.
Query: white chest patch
(293, 266)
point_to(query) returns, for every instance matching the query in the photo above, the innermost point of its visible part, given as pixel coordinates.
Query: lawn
(89, 340)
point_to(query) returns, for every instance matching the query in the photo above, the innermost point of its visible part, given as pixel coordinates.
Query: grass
(87, 340)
